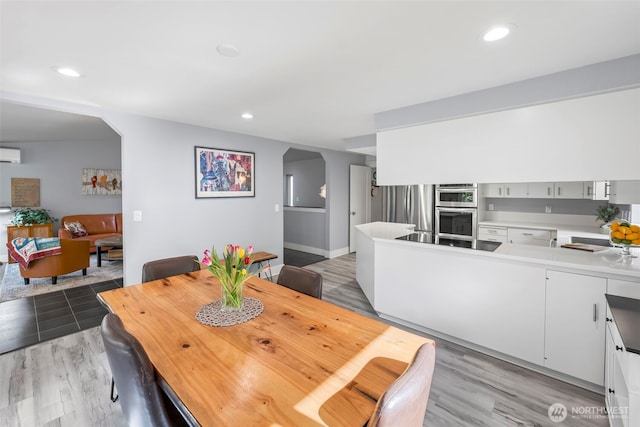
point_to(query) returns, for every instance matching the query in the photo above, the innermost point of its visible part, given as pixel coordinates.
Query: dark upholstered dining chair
(159, 269)
(301, 280)
(405, 402)
(140, 396)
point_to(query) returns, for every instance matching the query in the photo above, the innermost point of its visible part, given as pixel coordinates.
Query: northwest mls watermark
(558, 412)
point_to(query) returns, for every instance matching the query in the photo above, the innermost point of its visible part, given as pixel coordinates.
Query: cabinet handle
(595, 312)
(606, 189)
(492, 231)
(612, 391)
(548, 191)
(508, 191)
(499, 191)
(558, 191)
(618, 348)
(527, 234)
(589, 191)
(608, 319)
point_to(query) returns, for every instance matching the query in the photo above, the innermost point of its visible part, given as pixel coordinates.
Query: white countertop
(609, 262)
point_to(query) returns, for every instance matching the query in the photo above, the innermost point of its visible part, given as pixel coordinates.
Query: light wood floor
(66, 381)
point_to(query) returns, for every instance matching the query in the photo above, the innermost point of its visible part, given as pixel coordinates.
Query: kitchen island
(542, 308)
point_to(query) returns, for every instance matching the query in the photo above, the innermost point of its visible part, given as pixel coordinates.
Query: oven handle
(460, 210)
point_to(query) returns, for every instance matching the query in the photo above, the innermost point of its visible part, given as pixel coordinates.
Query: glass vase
(232, 298)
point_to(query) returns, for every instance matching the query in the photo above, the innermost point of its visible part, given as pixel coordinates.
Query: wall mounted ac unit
(10, 155)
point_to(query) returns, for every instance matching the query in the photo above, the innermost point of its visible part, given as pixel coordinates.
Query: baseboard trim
(304, 248)
(317, 251)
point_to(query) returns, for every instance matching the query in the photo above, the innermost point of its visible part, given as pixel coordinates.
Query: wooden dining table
(301, 362)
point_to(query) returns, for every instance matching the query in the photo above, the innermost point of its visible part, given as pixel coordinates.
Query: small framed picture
(224, 173)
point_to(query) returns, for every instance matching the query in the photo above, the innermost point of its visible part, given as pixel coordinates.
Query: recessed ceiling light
(247, 116)
(228, 50)
(498, 32)
(66, 71)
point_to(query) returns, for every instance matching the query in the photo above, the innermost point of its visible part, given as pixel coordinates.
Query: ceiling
(312, 73)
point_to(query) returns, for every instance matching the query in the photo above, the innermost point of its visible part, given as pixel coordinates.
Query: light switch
(277, 207)
(137, 216)
(547, 209)
(491, 207)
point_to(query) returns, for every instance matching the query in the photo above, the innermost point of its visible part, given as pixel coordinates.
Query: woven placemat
(211, 315)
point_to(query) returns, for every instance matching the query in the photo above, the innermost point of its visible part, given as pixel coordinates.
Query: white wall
(581, 139)
(158, 167)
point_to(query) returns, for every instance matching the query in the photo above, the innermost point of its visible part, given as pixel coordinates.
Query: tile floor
(300, 259)
(28, 321)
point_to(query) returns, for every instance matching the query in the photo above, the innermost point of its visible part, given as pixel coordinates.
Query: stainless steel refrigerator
(409, 204)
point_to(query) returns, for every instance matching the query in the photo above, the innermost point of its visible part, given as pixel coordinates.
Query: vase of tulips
(232, 270)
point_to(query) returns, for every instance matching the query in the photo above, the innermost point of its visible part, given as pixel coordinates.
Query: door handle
(595, 312)
(353, 213)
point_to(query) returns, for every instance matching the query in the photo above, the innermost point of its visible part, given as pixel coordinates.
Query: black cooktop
(428, 237)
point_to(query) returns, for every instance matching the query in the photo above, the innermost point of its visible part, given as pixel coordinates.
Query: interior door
(359, 200)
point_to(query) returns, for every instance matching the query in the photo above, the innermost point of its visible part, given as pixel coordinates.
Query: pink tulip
(207, 253)
(206, 261)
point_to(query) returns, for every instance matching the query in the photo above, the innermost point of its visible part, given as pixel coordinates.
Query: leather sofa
(99, 226)
(74, 257)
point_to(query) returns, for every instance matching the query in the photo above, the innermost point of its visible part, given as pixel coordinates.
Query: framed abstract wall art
(101, 182)
(224, 173)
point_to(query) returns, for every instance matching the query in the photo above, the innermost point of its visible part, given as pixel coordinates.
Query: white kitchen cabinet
(625, 192)
(486, 302)
(569, 190)
(616, 392)
(493, 190)
(531, 236)
(541, 190)
(513, 190)
(622, 370)
(575, 325)
(596, 190)
(492, 234)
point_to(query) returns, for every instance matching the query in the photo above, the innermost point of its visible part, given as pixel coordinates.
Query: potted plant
(606, 213)
(31, 216)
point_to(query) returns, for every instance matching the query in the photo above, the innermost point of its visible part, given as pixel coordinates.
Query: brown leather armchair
(74, 256)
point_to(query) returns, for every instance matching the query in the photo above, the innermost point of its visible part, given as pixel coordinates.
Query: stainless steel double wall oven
(456, 211)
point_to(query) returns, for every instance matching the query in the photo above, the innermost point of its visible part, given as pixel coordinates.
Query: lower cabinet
(575, 325)
(622, 370)
(529, 236)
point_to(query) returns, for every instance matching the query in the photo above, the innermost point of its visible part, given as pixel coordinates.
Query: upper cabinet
(569, 190)
(506, 190)
(541, 190)
(596, 190)
(625, 192)
(593, 190)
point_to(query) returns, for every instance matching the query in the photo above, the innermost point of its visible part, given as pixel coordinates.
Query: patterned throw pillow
(76, 229)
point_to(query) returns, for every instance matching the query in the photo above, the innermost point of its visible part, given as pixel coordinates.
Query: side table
(262, 257)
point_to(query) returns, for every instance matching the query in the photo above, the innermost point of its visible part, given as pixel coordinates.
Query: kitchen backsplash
(558, 206)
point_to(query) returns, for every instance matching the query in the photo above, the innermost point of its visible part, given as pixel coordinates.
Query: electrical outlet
(491, 207)
(547, 209)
